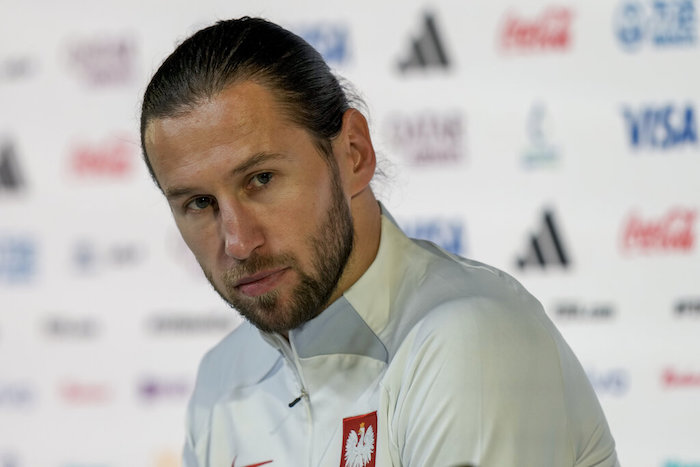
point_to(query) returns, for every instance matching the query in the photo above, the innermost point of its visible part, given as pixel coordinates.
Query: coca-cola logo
(114, 158)
(674, 231)
(85, 393)
(550, 30)
(672, 378)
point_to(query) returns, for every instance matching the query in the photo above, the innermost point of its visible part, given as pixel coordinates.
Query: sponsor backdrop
(555, 140)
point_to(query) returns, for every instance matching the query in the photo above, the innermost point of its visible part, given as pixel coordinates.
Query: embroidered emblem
(360, 438)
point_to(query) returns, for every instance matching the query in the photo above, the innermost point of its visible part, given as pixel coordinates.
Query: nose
(240, 230)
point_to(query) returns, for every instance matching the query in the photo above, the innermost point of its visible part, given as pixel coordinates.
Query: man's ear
(353, 148)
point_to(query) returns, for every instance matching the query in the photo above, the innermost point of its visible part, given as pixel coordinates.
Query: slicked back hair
(254, 49)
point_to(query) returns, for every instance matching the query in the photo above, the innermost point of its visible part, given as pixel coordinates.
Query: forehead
(242, 107)
(243, 118)
(242, 121)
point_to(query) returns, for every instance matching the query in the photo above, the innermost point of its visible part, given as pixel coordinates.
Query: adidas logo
(545, 248)
(10, 177)
(427, 50)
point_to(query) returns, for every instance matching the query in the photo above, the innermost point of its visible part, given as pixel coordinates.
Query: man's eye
(261, 179)
(199, 203)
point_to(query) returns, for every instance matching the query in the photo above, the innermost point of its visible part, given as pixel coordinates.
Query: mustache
(255, 264)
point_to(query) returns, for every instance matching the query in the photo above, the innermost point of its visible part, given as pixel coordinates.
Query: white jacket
(427, 360)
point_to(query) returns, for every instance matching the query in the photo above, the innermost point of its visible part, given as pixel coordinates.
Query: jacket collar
(351, 324)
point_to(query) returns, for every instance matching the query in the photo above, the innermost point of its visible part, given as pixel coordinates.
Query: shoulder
(482, 354)
(477, 320)
(444, 296)
(490, 337)
(239, 359)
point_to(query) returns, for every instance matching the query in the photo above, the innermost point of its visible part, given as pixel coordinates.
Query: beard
(331, 245)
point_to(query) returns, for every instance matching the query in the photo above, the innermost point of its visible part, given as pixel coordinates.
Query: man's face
(261, 209)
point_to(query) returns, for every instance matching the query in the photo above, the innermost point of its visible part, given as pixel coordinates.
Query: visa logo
(661, 127)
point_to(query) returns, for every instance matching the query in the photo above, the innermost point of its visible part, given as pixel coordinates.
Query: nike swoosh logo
(233, 464)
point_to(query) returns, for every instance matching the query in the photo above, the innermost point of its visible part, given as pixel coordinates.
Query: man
(361, 347)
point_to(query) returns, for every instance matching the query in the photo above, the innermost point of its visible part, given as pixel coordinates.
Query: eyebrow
(254, 160)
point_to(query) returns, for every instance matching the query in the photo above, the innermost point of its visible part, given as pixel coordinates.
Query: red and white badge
(359, 441)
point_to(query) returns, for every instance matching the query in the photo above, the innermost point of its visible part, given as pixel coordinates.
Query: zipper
(303, 395)
(291, 357)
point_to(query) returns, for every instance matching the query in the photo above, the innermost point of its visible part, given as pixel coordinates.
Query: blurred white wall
(555, 140)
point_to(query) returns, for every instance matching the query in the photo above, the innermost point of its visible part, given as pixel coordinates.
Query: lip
(261, 282)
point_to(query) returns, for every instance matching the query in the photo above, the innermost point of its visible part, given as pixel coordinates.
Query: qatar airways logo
(672, 378)
(104, 61)
(549, 31)
(112, 158)
(428, 138)
(674, 231)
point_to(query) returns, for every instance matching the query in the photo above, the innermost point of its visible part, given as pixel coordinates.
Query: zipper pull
(295, 401)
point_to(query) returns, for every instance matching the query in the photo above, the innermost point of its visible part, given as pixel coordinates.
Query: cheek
(293, 225)
(306, 209)
(314, 199)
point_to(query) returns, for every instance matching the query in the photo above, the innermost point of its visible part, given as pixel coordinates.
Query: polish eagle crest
(359, 447)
